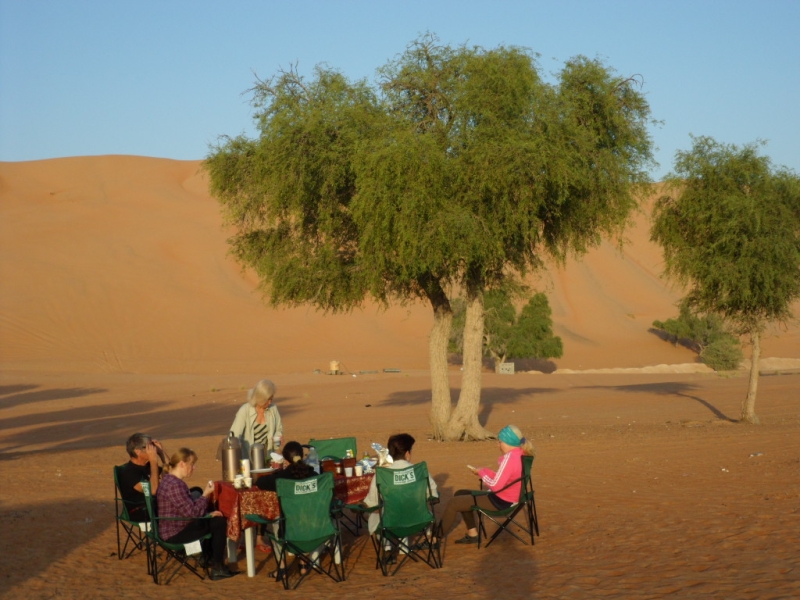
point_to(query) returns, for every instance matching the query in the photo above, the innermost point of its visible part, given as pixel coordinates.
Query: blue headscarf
(508, 436)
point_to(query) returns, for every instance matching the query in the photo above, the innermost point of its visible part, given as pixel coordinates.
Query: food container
(257, 460)
(231, 457)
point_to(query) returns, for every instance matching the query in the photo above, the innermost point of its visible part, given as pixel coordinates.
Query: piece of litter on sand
(724, 470)
(756, 454)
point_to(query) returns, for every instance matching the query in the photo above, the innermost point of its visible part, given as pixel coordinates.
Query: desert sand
(120, 312)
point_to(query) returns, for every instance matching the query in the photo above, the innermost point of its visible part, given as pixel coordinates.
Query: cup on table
(248, 481)
(238, 481)
(359, 470)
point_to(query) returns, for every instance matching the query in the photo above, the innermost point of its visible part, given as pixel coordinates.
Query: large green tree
(460, 170)
(729, 225)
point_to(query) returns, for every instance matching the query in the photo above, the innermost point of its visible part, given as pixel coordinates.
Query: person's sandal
(468, 539)
(277, 574)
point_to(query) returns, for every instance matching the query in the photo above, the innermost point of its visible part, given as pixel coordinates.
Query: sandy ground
(120, 312)
(644, 487)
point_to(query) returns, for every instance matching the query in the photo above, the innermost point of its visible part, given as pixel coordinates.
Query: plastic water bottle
(312, 460)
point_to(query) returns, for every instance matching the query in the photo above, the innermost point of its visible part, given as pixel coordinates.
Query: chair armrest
(475, 493)
(261, 520)
(360, 507)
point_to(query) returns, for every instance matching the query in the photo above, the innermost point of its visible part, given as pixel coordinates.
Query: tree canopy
(730, 229)
(461, 169)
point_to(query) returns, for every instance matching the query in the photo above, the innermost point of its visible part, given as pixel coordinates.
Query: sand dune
(118, 264)
(120, 312)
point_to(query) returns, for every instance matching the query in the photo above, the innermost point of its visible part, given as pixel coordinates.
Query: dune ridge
(118, 264)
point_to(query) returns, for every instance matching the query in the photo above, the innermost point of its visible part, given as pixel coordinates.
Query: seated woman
(512, 445)
(176, 500)
(293, 468)
(400, 446)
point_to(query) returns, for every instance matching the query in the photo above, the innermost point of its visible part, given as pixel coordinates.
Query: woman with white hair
(258, 420)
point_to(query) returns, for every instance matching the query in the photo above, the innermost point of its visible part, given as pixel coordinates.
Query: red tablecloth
(235, 504)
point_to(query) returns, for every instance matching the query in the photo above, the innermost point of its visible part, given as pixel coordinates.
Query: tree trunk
(441, 403)
(464, 422)
(749, 403)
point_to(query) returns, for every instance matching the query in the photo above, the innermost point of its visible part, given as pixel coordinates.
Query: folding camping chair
(525, 503)
(334, 447)
(408, 525)
(305, 529)
(131, 530)
(168, 553)
(337, 448)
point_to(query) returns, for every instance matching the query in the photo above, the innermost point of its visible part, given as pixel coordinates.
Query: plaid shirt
(175, 500)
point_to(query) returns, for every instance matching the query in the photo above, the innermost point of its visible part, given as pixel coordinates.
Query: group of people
(258, 421)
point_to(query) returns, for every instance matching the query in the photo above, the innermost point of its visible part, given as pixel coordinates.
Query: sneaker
(426, 545)
(468, 539)
(218, 573)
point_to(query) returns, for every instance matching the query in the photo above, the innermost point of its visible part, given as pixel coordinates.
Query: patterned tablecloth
(234, 504)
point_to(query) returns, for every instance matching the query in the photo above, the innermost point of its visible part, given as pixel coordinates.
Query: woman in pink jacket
(513, 445)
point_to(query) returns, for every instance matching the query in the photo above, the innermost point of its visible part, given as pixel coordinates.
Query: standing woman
(175, 500)
(512, 446)
(258, 420)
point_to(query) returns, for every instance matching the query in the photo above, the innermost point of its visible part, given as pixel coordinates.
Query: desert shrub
(707, 335)
(723, 354)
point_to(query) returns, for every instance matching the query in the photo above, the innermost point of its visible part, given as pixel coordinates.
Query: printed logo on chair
(305, 487)
(144, 526)
(404, 477)
(193, 547)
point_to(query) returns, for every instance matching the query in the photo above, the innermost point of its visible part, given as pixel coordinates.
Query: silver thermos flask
(231, 457)
(257, 456)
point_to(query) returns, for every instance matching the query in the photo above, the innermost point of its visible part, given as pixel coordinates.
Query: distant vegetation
(508, 334)
(706, 335)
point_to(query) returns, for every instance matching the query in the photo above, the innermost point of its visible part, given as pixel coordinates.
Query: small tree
(705, 334)
(507, 334)
(730, 229)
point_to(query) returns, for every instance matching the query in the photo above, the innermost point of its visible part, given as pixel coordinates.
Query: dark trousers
(217, 526)
(462, 503)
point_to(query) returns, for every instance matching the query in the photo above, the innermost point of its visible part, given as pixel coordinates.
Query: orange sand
(119, 312)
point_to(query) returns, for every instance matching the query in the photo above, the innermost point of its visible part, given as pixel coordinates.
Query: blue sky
(165, 78)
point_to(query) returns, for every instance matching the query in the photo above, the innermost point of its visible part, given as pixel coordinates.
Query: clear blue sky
(165, 78)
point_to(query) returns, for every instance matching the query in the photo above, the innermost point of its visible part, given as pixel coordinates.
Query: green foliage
(723, 354)
(485, 167)
(707, 335)
(463, 167)
(730, 230)
(507, 334)
(288, 193)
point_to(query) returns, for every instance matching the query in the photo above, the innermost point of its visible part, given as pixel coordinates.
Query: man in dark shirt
(142, 466)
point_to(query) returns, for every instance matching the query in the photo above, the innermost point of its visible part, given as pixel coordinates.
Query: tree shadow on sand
(112, 423)
(13, 395)
(668, 388)
(490, 396)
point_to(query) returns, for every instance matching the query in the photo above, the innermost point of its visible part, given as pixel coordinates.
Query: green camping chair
(337, 448)
(408, 524)
(334, 447)
(305, 529)
(525, 503)
(131, 530)
(163, 555)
